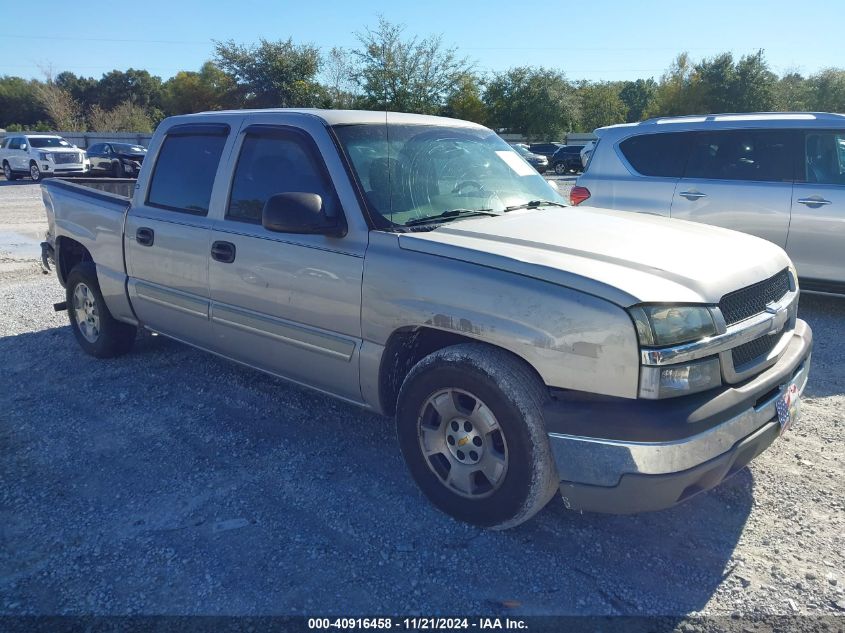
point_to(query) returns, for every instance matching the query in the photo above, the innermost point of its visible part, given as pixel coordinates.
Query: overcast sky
(589, 39)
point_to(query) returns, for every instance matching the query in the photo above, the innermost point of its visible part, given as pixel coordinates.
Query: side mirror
(23, 145)
(298, 212)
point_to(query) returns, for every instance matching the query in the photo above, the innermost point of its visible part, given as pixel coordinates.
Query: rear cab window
(184, 172)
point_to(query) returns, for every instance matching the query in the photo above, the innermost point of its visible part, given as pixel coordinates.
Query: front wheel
(470, 427)
(34, 172)
(560, 169)
(95, 329)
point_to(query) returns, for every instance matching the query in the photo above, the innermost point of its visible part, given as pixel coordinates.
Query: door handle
(145, 236)
(692, 195)
(814, 202)
(223, 252)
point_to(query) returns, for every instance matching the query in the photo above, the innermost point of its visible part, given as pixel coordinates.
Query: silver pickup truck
(419, 267)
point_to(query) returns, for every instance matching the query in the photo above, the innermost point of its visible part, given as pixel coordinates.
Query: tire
(34, 172)
(8, 173)
(560, 169)
(95, 329)
(505, 427)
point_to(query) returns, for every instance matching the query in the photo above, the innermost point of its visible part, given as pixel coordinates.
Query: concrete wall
(86, 139)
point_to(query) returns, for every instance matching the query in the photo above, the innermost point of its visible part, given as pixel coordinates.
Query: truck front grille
(66, 157)
(754, 350)
(741, 304)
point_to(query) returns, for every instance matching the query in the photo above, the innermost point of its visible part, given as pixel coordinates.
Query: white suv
(780, 176)
(39, 155)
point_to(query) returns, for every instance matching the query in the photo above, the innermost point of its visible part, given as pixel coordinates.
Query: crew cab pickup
(419, 267)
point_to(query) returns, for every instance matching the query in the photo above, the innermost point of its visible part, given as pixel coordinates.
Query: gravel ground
(173, 482)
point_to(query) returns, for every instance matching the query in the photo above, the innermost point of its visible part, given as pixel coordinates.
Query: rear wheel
(95, 329)
(34, 172)
(7, 172)
(470, 426)
(560, 169)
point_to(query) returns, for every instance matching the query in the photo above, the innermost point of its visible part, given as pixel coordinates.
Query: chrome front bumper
(592, 469)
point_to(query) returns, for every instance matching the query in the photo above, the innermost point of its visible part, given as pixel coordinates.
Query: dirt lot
(170, 481)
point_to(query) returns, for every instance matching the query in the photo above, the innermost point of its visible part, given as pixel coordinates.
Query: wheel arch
(407, 346)
(69, 253)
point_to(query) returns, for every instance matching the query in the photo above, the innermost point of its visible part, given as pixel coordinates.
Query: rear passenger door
(167, 234)
(817, 234)
(741, 180)
(285, 303)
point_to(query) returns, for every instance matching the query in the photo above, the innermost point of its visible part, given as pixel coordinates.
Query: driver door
(289, 304)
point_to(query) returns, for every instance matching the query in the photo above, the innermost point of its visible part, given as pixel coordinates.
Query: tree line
(390, 69)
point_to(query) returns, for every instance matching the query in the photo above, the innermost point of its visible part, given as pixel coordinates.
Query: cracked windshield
(417, 175)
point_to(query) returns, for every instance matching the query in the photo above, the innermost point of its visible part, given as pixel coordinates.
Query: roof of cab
(350, 117)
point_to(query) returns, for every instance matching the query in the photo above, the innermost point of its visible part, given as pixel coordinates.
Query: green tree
(137, 86)
(272, 74)
(713, 85)
(673, 91)
(19, 103)
(465, 102)
(83, 89)
(638, 96)
(338, 79)
(792, 93)
(600, 105)
(406, 74)
(536, 102)
(828, 90)
(754, 88)
(208, 89)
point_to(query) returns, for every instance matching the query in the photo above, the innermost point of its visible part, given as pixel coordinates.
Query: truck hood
(624, 257)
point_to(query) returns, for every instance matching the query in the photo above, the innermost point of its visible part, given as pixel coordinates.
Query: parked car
(119, 160)
(544, 149)
(540, 163)
(567, 159)
(418, 267)
(778, 176)
(586, 152)
(40, 155)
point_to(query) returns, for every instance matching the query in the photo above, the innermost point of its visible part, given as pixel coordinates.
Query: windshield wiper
(533, 204)
(450, 215)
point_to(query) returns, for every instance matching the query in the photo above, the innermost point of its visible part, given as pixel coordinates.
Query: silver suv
(780, 176)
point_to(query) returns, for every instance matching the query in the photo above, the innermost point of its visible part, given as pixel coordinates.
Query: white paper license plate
(787, 407)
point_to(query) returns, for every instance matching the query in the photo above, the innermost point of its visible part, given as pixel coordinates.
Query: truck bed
(122, 187)
(90, 213)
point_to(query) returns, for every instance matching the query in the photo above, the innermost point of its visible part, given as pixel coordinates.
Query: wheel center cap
(464, 441)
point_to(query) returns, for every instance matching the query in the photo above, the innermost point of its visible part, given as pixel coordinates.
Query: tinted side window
(15, 143)
(824, 157)
(184, 172)
(95, 149)
(272, 163)
(657, 154)
(755, 155)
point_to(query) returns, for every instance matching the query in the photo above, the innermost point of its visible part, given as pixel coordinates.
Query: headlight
(680, 380)
(44, 156)
(672, 325)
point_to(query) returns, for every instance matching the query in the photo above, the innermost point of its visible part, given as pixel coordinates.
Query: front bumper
(650, 455)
